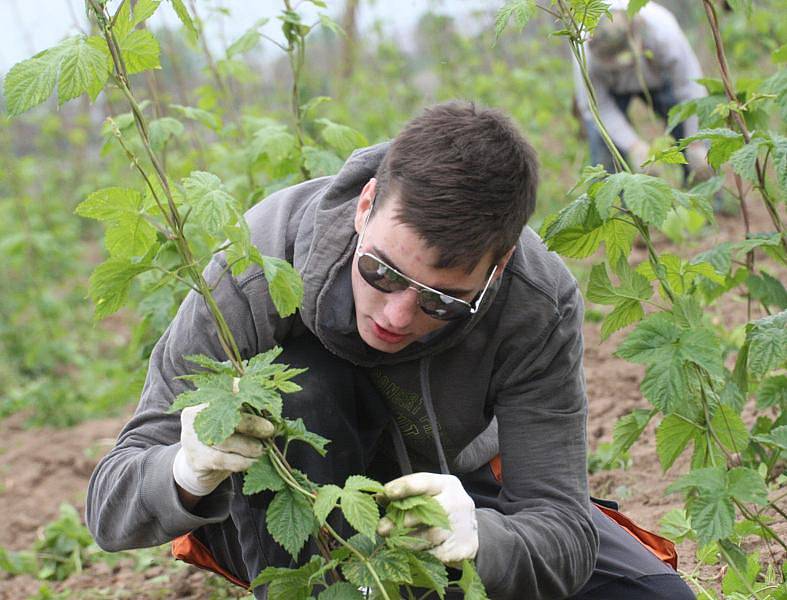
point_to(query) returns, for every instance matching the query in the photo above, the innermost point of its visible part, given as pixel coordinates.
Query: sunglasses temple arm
(483, 292)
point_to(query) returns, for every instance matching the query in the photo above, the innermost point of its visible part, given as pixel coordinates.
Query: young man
(438, 332)
(647, 57)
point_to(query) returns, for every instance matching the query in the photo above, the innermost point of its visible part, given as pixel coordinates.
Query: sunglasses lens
(441, 306)
(379, 276)
(383, 278)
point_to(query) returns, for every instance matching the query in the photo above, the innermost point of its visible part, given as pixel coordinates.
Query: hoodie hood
(323, 254)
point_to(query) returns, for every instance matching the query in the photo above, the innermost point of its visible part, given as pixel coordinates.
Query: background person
(646, 57)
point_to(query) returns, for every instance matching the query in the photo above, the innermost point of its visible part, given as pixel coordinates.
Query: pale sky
(29, 26)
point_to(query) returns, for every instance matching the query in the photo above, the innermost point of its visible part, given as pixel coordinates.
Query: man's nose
(400, 308)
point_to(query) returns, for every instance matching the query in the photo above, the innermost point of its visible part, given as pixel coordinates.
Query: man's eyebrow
(449, 291)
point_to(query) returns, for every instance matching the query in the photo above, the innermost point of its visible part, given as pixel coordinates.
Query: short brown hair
(466, 181)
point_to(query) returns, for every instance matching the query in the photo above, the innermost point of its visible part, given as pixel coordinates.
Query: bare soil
(41, 468)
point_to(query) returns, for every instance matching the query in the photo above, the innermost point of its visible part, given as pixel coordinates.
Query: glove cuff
(189, 480)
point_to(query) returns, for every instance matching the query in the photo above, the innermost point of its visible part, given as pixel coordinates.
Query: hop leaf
(262, 476)
(290, 520)
(110, 283)
(128, 232)
(471, 583)
(212, 206)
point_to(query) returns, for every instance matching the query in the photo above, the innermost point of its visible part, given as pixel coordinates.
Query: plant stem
(729, 90)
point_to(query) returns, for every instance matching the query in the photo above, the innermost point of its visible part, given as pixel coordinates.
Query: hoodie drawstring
(426, 392)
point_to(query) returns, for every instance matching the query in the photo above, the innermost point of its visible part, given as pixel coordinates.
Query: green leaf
(743, 161)
(361, 511)
(110, 283)
(341, 591)
(260, 397)
(211, 364)
(600, 288)
(521, 11)
(672, 436)
(284, 285)
(773, 392)
(723, 143)
(730, 429)
(206, 118)
(365, 484)
(651, 341)
(30, 82)
(128, 232)
(391, 564)
(296, 431)
(184, 16)
(776, 437)
(666, 384)
(262, 476)
(675, 526)
(216, 422)
(780, 157)
(647, 197)
(573, 215)
(248, 41)
(712, 516)
(161, 130)
(576, 242)
(679, 113)
(290, 520)
(77, 65)
(768, 290)
(624, 314)
(635, 6)
(767, 339)
(746, 485)
(628, 429)
(289, 584)
(324, 503)
(144, 9)
(428, 572)
(320, 163)
(140, 51)
(430, 513)
(329, 23)
(85, 69)
(702, 347)
(273, 142)
(211, 205)
(744, 6)
(471, 583)
(342, 138)
(241, 254)
(618, 237)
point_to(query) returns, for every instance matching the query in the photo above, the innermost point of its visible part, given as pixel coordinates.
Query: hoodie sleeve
(132, 499)
(541, 544)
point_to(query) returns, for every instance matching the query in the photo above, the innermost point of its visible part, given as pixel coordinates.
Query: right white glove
(199, 468)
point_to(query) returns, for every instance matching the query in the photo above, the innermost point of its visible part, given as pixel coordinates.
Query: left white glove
(449, 546)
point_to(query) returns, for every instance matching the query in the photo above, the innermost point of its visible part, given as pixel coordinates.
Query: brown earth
(41, 468)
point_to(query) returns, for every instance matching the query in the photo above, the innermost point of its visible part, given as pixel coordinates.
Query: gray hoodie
(514, 369)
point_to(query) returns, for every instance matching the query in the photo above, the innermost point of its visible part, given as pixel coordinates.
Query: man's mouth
(385, 335)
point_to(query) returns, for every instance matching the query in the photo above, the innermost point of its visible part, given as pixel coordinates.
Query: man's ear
(364, 203)
(501, 264)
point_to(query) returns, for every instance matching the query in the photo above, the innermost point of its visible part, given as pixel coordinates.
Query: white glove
(638, 154)
(199, 468)
(449, 546)
(698, 164)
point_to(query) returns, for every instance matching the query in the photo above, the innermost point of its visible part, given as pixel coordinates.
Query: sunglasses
(384, 278)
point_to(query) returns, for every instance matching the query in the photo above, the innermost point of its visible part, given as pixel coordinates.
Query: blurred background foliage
(227, 108)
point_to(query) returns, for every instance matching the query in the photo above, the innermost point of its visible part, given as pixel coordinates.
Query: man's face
(391, 321)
